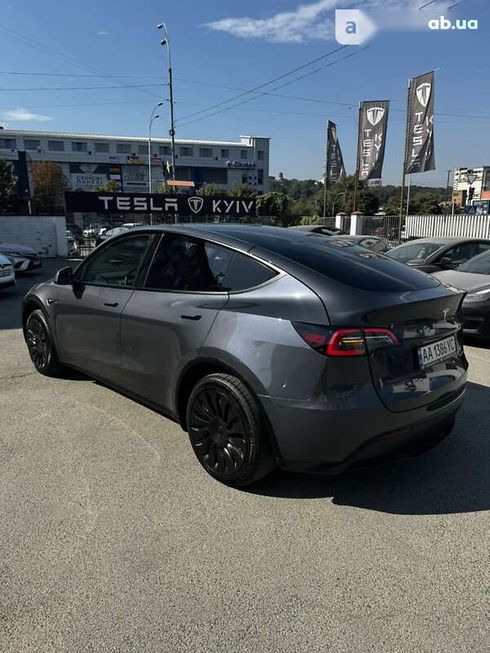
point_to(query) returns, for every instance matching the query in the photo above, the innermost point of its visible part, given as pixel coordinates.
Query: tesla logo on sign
(423, 93)
(195, 204)
(374, 115)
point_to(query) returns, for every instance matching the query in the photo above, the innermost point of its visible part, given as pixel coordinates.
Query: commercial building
(471, 185)
(92, 159)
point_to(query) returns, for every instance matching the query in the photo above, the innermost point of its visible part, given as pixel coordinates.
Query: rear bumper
(477, 319)
(314, 439)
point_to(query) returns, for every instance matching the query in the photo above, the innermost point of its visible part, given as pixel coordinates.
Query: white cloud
(305, 23)
(23, 115)
(102, 32)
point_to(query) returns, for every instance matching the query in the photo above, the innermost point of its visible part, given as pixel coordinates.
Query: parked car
(72, 243)
(267, 347)
(319, 229)
(375, 243)
(75, 230)
(23, 258)
(110, 233)
(474, 278)
(7, 273)
(435, 254)
(90, 232)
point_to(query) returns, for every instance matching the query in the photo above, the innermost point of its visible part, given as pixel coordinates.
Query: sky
(98, 67)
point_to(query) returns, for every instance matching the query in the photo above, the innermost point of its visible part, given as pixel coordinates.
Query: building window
(7, 143)
(225, 154)
(142, 149)
(260, 176)
(260, 155)
(206, 152)
(56, 146)
(164, 150)
(123, 148)
(244, 179)
(32, 144)
(78, 147)
(244, 155)
(102, 148)
(183, 173)
(215, 175)
(186, 151)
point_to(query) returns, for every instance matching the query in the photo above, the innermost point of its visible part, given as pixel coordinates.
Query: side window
(462, 253)
(117, 264)
(188, 264)
(245, 272)
(483, 247)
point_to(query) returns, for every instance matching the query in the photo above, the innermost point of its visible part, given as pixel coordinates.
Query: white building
(480, 183)
(90, 159)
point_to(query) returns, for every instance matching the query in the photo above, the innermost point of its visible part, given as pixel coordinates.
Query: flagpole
(325, 177)
(354, 203)
(404, 162)
(409, 185)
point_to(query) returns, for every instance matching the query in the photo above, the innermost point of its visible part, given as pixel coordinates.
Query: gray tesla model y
(267, 345)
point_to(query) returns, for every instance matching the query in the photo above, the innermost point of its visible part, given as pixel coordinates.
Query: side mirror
(64, 277)
(446, 262)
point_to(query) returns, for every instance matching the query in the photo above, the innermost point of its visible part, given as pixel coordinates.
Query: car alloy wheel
(226, 430)
(40, 344)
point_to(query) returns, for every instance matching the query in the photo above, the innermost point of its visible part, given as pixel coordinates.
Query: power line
(271, 81)
(80, 88)
(296, 79)
(30, 42)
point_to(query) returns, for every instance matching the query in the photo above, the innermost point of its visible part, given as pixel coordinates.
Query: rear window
(478, 265)
(414, 251)
(350, 264)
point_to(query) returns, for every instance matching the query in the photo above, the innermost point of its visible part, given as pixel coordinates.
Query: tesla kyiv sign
(167, 204)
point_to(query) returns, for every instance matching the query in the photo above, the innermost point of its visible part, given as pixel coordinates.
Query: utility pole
(166, 42)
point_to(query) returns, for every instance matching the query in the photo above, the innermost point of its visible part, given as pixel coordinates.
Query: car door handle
(191, 317)
(113, 305)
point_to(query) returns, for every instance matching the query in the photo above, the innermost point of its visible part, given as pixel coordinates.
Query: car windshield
(478, 264)
(414, 251)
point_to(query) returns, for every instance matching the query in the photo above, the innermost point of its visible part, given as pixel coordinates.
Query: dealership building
(471, 185)
(92, 159)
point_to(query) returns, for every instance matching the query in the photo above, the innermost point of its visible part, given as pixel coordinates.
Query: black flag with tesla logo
(335, 170)
(419, 148)
(373, 123)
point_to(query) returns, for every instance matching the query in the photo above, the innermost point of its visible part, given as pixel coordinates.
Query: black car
(474, 278)
(436, 254)
(269, 347)
(320, 229)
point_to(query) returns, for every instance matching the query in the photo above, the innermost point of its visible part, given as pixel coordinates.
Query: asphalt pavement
(112, 537)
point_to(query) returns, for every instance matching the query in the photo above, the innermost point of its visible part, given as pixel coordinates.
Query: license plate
(437, 351)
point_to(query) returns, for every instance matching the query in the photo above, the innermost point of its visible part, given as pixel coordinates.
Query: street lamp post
(335, 200)
(166, 42)
(153, 117)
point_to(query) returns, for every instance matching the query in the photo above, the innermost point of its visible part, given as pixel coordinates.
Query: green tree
(8, 181)
(276, 206)
(243, 190)
(340, 197)
(212, 190)
(110, 186)
(49, 184)
(425, 203)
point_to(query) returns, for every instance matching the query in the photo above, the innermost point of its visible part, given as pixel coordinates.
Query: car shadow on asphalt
(454, 477)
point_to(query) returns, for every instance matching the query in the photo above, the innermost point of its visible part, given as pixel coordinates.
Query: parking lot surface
(113, 538)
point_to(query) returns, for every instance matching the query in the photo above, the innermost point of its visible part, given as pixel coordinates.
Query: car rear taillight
(345, 342)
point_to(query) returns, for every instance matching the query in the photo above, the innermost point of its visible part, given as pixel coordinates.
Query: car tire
(227, 430)
(40, 344)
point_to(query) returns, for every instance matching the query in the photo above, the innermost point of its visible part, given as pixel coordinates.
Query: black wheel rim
(218, 431)
(38, 342)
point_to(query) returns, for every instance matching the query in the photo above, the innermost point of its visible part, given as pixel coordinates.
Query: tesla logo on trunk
(195, 204)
